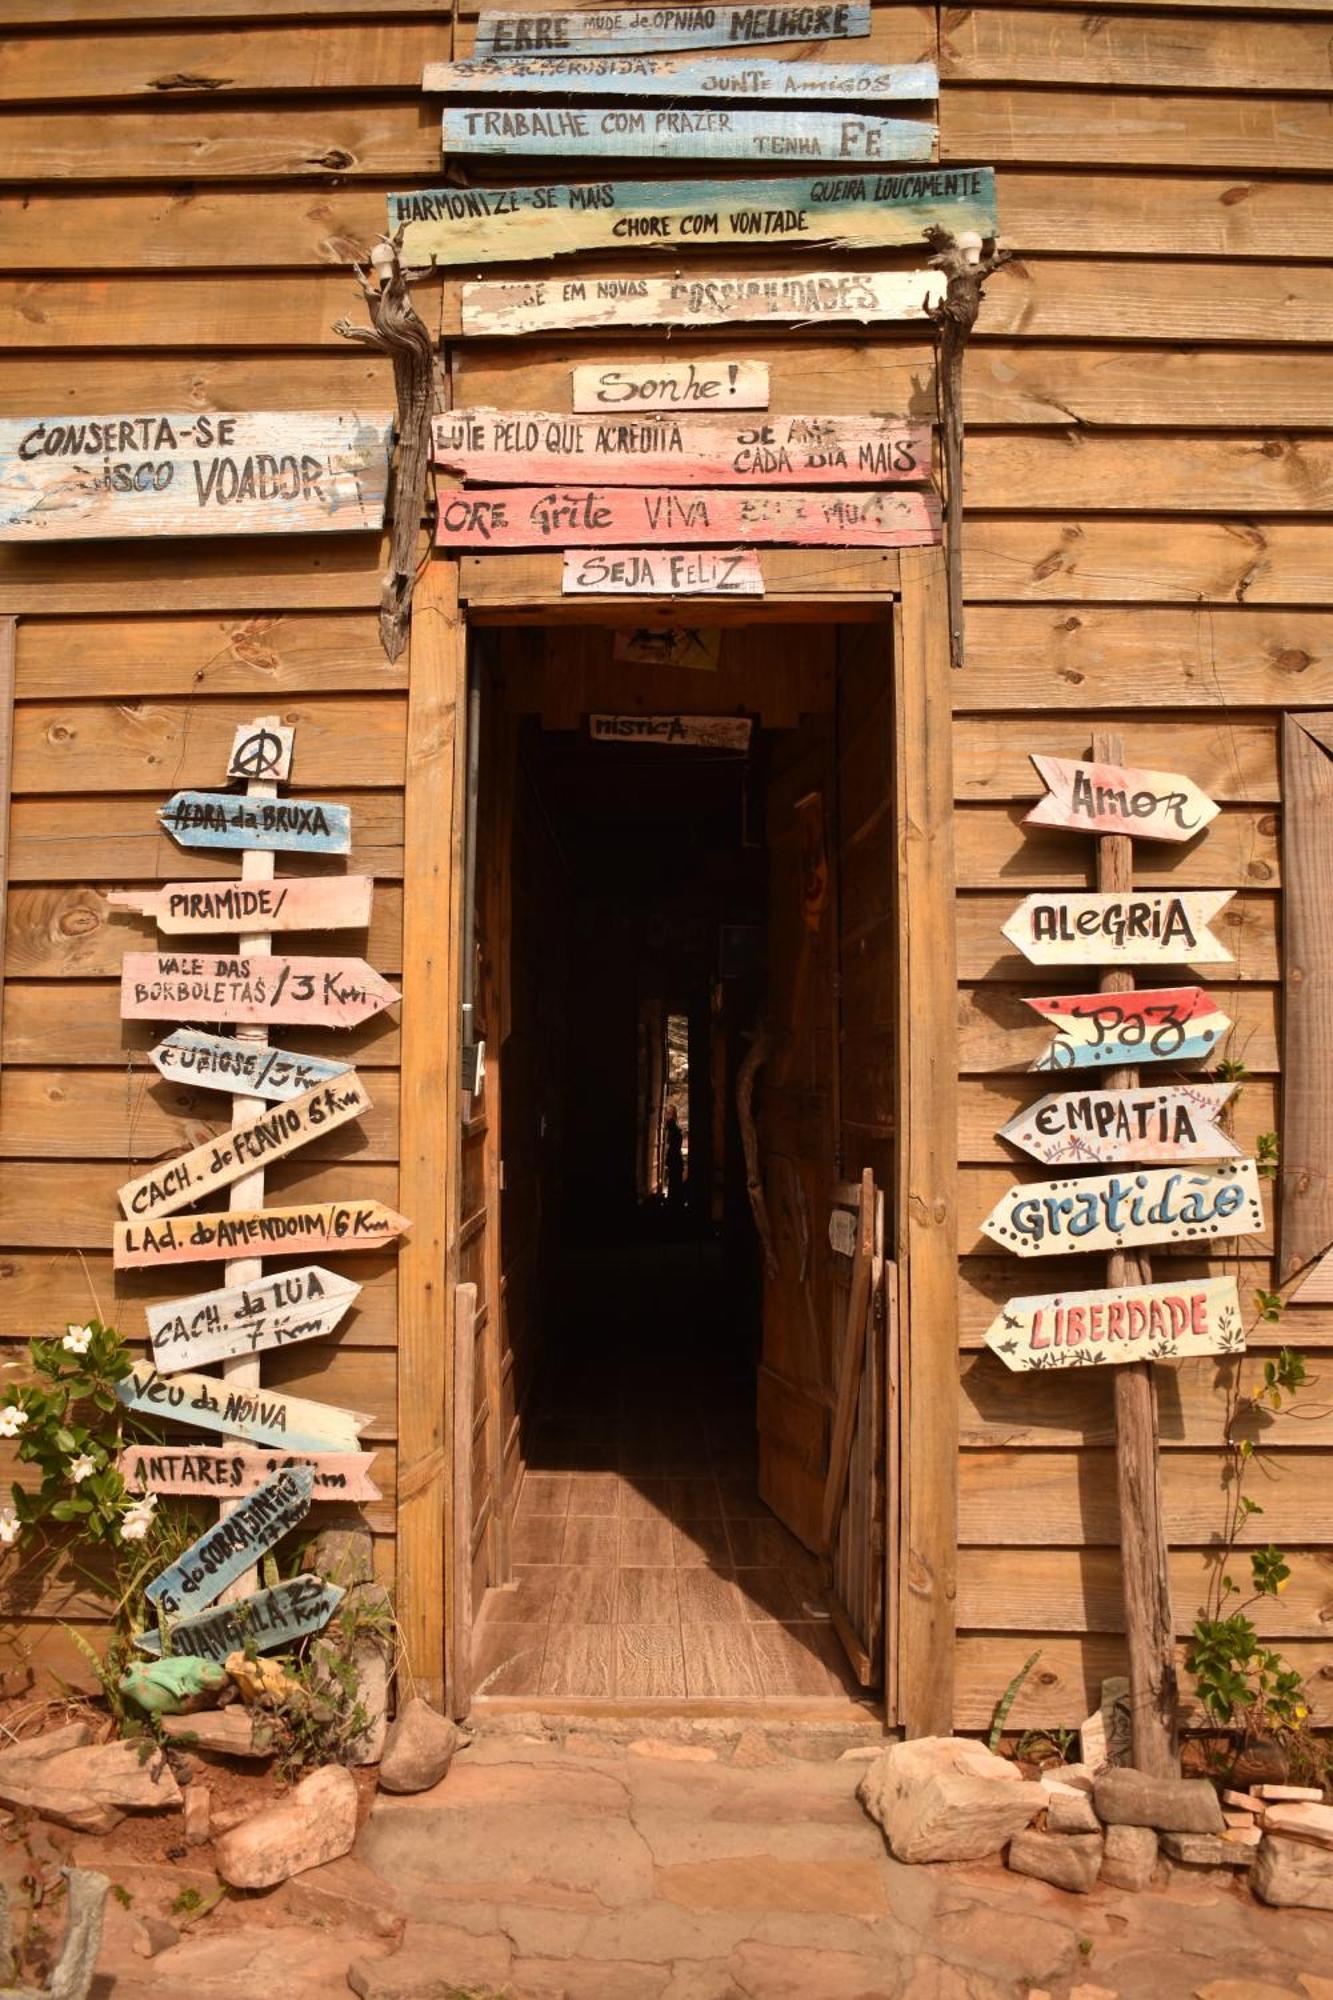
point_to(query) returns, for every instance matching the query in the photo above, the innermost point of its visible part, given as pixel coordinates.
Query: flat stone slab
(1125, 1797)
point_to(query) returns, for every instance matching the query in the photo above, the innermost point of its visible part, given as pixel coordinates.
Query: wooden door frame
(922, 1558)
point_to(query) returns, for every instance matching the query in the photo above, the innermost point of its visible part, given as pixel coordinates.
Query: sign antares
(1098, 1127)
(274, 1311)
(267, 1621)
(259, 1232)
(1144, 927)
(196, 986)
(227, 1472)
(1174, 1024)
(618, 31)
(224, 1553)
(1116, 798)
(229, 819)
(259, 1416)
(1132, 1323)
(1116, 1211)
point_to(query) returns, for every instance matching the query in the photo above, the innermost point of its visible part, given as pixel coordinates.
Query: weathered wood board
(223, 1472)
(173, 1184)
(1174, 1024)
(493, 308)
(266, 1621)
(1113, 1211)
(314, 992)
(1316, 1287)
(886, 211)
(563, 517)
(293, 472)
(224, 1552)
(1131, 1323)
(709, 386)
(274, 1311)
(696, 647)
(261, 1416)
(246, 1069)
(304, 903)
(262, 751)
(221, 819)
(1146, 927)
(715, 732)
(685, 132)
(842, 1232)
(713, 79)
(259, 1232)
(628, 31)
(506, 447)
(1117, 798)
(661, 573)
(1098, 1127)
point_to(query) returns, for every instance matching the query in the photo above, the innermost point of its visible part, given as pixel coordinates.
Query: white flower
(76, 1339)
(9, 1526)
(138, 1519)
(80, 1467)
(12, 1420)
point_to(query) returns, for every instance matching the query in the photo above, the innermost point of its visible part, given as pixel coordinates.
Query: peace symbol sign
(260, 752)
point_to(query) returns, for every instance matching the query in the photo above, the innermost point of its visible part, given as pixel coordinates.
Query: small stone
(1071, 1812)
(1292, 1874)
(1069, 1860)
(1173, 1805)
(225, 1732)
(198, 1816)
(317, 1823)
(944, 1798)
(1104, 1739)
(1206, 1850)
(152, 1935)
(1290, 1794)
(418, 1749)
(1087, 1991)
(1236, 1820)
(40, 1749)
(1069, 1778)
(1302, 1822)
(672, 1753)
(89, 1788)
(860, 1753)
(1244, 1836)
(753, 1750)
(1242, 1802)
(1130, 1857)
(223, 1818)
(1261, 1762)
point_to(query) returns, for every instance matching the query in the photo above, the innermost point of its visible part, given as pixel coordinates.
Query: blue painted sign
(712, 78)
(635, 31)
(251, 1069)
(269, 1621)
(262, 1416)
(286, 826)
(688, 132)
(226, 1551)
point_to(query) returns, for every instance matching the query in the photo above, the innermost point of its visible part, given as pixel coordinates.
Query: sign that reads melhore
(1145, 927)
(247, 1069)
(1134, 1323)
(1097, 1127)
(276, 472)
(504, 446)
(1113, 798)
(1103, 1030)
(836, 211)
(305, 903)
(711, 78)
(266, 1620)
(716, 732)
(277, 1311)
(492, 309)
(1055, 1218)
(222, 1472)
(562, 517)
(661, 573)
(209, 1403)
(671, 385)
(625, 31)
(259, 1232)
(313, 992)
(224, 1552)
(685, 132)
(220, 819)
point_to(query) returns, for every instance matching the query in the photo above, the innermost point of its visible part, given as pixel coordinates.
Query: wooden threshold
(660, 1708)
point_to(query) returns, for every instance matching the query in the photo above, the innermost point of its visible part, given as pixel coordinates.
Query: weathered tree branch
(756, 1056)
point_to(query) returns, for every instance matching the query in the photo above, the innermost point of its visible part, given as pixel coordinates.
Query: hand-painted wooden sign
(1133, 1323)
(173, 1184)
(505, 446)
(635, 31)
(671, 385)
(267, 1621)
(697, 647)
(1098, 1127)
(685, 132)
(1145, 927)
(1114, 798)
(862, 212)
(661, 573)
(1175, 1024)
(259, 473)
(1114, 1211)
(288, 826)
(247, 1069)
(226, 1551)
(261, 752)
(310, 992)
(224, 1472)
(303, 903)
(495, 308)
(842, 1232)
(262, 1416)
(533, 517)
(276, 1311)
(259, 1232)
(715, 732)
(714, 79)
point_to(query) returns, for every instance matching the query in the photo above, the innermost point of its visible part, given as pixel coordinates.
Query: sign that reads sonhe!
(1134, 1323)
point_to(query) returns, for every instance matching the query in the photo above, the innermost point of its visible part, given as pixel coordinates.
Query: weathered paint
(716, 732)
(261, 1416)
(828, 211)
(1144, 927)
(201, 473)
(696, 647)
(506, 447)
(669, 385)
(685, 132)
(1098, 1127)
(1118, 798)
(1115, 1211)
(301, 903)
(661, 573)
(225, 1551)
(246, 1069)
(1130, 1323)
(493, 308)
(273, 1311)
(223, 1472)
(312, 992)
(635, 31)
(258, 1232)
(1174, 1024)
(713, 79)
(267, 1621)
(261, 752)
(535, 517)
(221, 819)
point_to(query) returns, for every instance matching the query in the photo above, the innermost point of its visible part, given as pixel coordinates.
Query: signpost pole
(1146, 1580)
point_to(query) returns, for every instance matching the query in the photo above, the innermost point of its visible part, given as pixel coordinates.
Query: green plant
(1039, 1746)
(320, 1721)
(1007, 1700)
(1265, 1153)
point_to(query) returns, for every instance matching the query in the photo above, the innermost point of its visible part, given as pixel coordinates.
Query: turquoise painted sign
(224, 819)
(269, 1621)
(713, 79)
(685, 132)
(225, 1552)
(633, 31)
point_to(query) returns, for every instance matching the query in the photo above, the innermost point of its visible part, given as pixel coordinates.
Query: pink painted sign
(1112, 1030)
(561, 517)
(1116, 798)
(224, 1472)
(303, 903)
(259, 1232)
(1133, 1323)
(196, 986)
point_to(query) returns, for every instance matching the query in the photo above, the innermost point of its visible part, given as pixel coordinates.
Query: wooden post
(1149, 1630)
(8, 633)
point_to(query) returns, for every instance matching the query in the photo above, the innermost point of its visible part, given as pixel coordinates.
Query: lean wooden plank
(1306, 1206)
(707, 78)
(1054, 127)
(524, 517)
(693, 132)
(617, 31)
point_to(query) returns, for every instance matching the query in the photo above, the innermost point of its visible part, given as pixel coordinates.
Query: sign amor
(1114, 798)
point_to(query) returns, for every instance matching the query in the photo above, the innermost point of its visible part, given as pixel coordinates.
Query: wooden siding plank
(1063, 1590)
(1153, 387)
(54, 837)
(208, 141)
(992, 759)
(1307, 1112)
(207, 60)
(56, 1205)
(1010, 1499)
(999, 1410)
(1245, 475)
(1112, 129)
(174, 310)
(996, 847)
(332, 379)
(1154, 51)
(1066, 1684)
(278, 657)
(1193, 303)
(1145, 559)
(79, 1023)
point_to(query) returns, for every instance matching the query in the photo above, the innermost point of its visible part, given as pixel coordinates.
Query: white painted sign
(276, 1311)
(671, 385)
(263, 1416)
(298, 903)
(1116, 1211)
(261, 751)
(1144, 927)
(1097, 1127)
(661, 573)
(495, 307)
(246, 1069)
(1117, 798)
(1133, 1323)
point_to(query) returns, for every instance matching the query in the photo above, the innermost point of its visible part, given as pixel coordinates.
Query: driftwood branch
(756, 1056)
(72, 1975)
(397, 330)
(966, 261)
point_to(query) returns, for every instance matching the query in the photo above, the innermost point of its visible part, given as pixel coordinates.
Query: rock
(1302, 1822)
(71, 1977)
(38, 1749)
(1069, 1777)
(1207, 1850)
(1291, 1874)
(198, 1816)
(173, 1687)
(1130, 1857)
(1105, 1737)
(1172, 1805)
(1260, 1762)
(1244, 1836)
(90, 1787)
(943, 1798)
(753, 1750)
(1069, 1860)
(1070, 1812)
(1243, 1802)
(345, 1556)
(418, 1749)
(436, 1960)
(222, 1819)
(226, 1732)
(152, 1935)
(1290, 1794)
(317, 1823)
(672, 1753)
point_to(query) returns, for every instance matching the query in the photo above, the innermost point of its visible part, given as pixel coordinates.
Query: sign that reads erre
(835, 211)
(304, 903)
(221, 819)
(224, 1552)
(276, 1311)
(259, 1232)
(686, 132)
(534, 517)
(272, 472)
(1097, 1127)
(1113, 1211)
(716, 732)
(1113, 798)
(1144, 927)
(713, 79)
(1173, 1024)
(247, 1069)
(1132, 1323)
(222, 1472)
(495, 308)
(173, 1184)
(311, 992)
(621, 31)
(661, 573)
(504, 446)
(263, 1416)
(671, 385)
(266, 1621)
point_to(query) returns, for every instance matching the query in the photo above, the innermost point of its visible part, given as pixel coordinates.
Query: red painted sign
(562, 517)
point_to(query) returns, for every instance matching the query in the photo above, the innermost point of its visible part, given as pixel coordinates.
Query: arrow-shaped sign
(192, 986)
(1097, 1127)
(1136, 1323)
(227, 1550)
(1175, 1024)
(268, 1620)
(223, 819)
(256, 1232)
(277, 1311)
(210, 1403)
(301, 903)
(1116, 798)
(1144, 927)
(247, 1069)
(225, 1472)
(1114, 1211)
